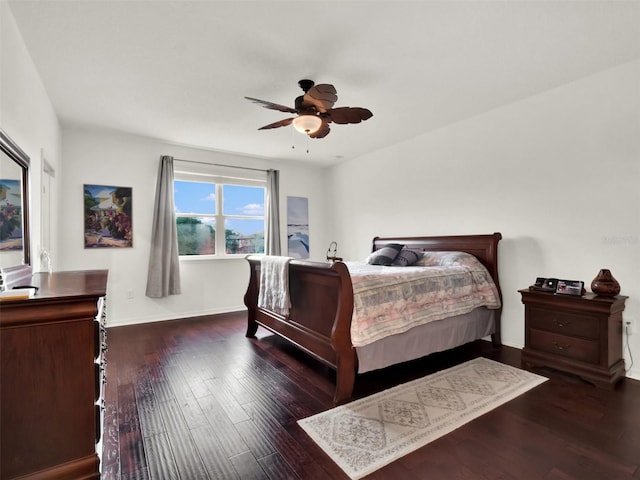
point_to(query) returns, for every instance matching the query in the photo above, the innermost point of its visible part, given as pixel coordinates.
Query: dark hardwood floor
(194, 399)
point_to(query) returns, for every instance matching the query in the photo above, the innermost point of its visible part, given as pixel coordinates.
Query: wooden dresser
(52, 376)
(579, 335)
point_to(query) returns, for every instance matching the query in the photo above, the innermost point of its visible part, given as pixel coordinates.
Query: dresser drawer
(565, 346)
(564, 323)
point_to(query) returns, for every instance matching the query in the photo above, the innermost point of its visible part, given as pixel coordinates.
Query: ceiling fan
(315, 110)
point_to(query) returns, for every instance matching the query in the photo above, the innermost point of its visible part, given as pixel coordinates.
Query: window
(207, 205)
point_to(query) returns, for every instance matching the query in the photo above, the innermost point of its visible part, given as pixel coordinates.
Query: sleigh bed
(321, 296)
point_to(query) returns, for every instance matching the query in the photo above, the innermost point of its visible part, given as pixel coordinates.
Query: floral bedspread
(391, 300)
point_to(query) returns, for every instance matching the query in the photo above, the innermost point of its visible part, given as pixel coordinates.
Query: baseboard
(121, 322)
(633, 374)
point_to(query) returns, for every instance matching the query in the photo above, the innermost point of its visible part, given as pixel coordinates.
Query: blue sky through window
(194, 197)
(200, 198)
(242, 200)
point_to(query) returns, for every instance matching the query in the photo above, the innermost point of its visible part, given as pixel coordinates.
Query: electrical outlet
(628, 326)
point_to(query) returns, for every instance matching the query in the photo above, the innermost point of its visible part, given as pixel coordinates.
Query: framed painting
(107, 217)
(298, 227)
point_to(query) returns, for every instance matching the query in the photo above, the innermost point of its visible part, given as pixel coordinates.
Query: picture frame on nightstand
(559, 287)
(570, 287)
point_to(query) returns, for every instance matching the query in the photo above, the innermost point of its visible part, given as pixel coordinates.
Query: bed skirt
(425, 339)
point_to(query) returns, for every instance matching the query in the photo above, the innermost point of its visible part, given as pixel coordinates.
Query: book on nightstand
(17, 294)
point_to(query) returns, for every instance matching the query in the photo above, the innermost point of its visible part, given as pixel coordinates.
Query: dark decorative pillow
(385, 255)
(407, 257)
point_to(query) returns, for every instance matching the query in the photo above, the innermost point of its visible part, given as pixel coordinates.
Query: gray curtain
(163, 278)
(272, 235)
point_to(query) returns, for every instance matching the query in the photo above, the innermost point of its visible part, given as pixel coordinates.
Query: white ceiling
(178, 70)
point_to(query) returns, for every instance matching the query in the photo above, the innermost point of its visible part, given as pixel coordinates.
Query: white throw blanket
(274, 284)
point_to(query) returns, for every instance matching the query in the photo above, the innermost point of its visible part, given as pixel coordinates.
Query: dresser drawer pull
(561, 324)
(560, 346)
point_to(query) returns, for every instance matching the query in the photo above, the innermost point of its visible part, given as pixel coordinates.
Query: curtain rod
(221, 165)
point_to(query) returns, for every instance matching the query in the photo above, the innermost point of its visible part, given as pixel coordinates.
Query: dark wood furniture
(579, 335)
(321, 294)
(52, 361)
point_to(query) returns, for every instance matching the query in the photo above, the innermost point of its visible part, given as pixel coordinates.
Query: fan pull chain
(293, 135)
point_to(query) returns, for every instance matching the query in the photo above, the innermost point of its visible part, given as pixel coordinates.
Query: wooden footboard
(319, 320)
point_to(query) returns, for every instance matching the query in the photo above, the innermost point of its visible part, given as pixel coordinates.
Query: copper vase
(605, 285)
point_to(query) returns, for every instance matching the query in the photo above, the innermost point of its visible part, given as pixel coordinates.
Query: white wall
(557, 174)
(213, 286)
(27, 116)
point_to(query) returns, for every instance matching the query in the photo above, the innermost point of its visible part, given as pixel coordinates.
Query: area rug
(364, 435)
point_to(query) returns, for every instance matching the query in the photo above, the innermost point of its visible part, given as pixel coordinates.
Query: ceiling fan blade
(322, 132)
(281, 123)
(344, 115)
(272, 106)
(321, 96)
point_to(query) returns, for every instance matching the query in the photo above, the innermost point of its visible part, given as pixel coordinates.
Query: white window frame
(183, 174)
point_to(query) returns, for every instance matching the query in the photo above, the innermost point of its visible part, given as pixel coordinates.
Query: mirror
(14, 204)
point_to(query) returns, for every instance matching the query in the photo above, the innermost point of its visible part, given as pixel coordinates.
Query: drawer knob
(561, 323)
(560, 346)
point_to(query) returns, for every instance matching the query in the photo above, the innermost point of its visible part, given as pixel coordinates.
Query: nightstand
(579, 335)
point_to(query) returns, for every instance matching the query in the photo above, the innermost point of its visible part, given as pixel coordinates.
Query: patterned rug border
(363, 418)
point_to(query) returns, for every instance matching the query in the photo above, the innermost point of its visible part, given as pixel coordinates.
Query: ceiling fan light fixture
(307, 124)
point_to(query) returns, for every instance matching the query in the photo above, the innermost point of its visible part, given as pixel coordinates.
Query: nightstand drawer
(564, 323)
(565, 346)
